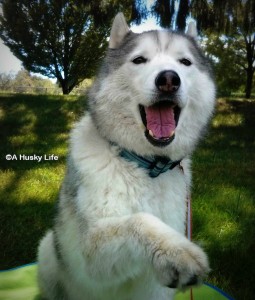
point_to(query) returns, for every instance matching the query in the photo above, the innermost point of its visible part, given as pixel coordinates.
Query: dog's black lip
(159, 142)
(165, 141)
(143, 114)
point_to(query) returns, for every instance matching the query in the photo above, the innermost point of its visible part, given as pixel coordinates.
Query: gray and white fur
(118, 233)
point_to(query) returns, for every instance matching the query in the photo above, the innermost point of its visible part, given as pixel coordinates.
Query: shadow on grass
(21, 226)
(36, 124)
(223, 197)
(223, 193)
(31, 125)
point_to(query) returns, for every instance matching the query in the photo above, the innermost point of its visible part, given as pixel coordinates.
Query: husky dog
(119, 231)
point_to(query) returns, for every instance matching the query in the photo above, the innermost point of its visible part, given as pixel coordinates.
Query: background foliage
(54, 38)
(67, 39)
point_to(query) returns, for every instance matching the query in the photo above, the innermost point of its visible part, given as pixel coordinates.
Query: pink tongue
(160, 120)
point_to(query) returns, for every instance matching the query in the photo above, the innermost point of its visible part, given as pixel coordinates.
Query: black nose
(168, 81)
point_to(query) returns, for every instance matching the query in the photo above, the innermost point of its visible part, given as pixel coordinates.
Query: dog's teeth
(171, 133)
(151, 133)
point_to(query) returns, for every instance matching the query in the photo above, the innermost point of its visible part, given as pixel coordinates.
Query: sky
(10, 64)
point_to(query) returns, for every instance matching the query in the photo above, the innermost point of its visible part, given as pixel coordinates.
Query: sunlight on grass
(221, 212)
(222, 194)
(18, 140)
(231, 121)
(6, 178)
(59, 151)
(31, 125)
(228, 231)
(29, 117)
(2, 114)
(39, 183)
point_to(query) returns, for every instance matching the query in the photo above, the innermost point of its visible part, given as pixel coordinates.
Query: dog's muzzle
(161, 118)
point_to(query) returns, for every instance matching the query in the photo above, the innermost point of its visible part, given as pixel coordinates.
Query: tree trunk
(182, 14)
(164, 11)
(65, 87)
(249, 77)
(65, 91)
(250, 43)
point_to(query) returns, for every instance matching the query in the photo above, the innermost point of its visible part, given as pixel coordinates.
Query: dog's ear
(192, 30)
(118, 31)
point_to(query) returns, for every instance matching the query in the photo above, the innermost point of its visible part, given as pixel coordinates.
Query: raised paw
(178, 265)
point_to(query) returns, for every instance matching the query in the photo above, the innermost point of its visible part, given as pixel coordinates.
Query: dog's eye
(139, 60)
(185, 62)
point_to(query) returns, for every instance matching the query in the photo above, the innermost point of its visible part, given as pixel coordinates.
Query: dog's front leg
(120, 248)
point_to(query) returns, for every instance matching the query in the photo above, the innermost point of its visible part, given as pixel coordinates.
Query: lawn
(223, 197)
(31, 125)
(223, 184)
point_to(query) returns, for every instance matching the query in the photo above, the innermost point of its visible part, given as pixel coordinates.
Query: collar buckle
(155, 165)
(160, 165)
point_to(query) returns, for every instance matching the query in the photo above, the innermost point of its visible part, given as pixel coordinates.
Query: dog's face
(154, 94)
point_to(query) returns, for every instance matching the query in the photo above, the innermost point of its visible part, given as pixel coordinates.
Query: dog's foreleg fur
(142, 239)
(48, 273)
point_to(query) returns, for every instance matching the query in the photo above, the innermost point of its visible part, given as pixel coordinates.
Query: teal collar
(155, 165)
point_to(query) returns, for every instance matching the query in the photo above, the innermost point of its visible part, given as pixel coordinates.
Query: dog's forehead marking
(148, 42)
(177, 45)
(156, 42)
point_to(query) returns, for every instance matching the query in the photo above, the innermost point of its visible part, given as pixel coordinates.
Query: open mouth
(160, 120)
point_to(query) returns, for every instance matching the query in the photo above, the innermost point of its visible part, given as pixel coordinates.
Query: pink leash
(189, 225)
(189, 229)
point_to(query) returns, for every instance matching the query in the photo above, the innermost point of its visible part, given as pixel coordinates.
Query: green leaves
(67, 39)
(54, 38)
(228, 57)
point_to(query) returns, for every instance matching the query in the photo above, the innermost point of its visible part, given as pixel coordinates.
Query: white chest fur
(112, 186)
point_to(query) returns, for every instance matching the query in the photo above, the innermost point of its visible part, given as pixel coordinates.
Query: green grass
(223, 183)
(31, 125)
(223, 197)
